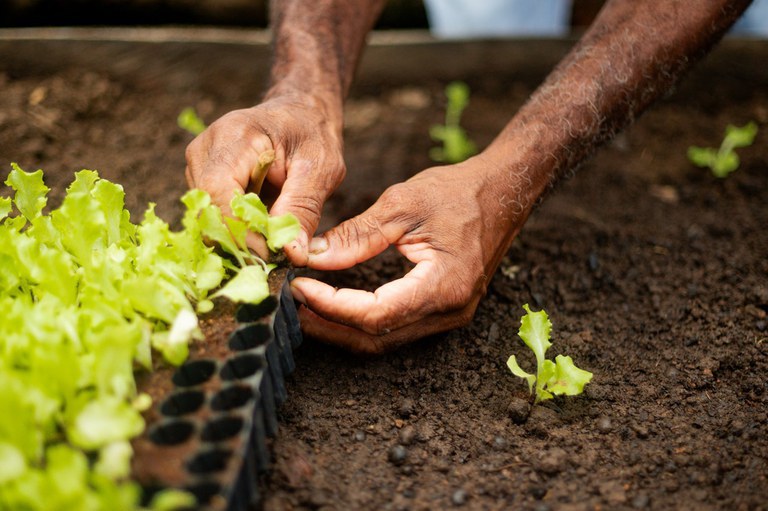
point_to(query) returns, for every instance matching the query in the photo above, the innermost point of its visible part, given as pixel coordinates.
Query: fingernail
(302, 240)
(297, 295)
(318, 245)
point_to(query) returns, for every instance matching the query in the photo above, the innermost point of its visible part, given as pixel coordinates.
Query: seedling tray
(208, 430)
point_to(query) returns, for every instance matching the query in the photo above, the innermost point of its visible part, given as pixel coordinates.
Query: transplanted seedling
(724, 160)
(560, 377)
(457, 146)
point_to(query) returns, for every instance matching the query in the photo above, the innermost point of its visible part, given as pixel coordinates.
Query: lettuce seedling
(190, 121)
(560, 377)
(87, 296)
(457, 146)
(724, 160)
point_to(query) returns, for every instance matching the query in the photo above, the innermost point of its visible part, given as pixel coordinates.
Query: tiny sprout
(190, 121)
(457, 146)
(560, 377)
(724, 160)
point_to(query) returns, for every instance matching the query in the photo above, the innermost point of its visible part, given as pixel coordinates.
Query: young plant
(88, 297)
(560, 377)
(189, 120)
(456, 146)
(724, 160)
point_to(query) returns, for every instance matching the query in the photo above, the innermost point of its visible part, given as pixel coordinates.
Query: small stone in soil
(407, 407)
(553, 461)
(544, 415)
(518, 410)
(407, 435)
(604, 425)
(398, 454)
(499, 443)
(359, 436)
(459, 497)
(613, 492)
(538, 492)
(641, 501)
(641, 430)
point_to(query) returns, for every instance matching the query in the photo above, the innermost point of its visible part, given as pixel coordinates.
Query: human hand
(454, 222)
(303, 137)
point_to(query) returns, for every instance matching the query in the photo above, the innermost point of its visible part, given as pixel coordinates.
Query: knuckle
(348, 233)
(404, 205)
(307, 206)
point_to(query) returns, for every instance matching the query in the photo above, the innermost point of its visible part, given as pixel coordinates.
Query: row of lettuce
(88, 298)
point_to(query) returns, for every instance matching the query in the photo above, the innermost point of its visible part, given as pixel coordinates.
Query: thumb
(354, 241)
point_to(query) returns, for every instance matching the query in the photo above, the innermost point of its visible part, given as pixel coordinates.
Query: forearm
(634, 51)
(317, 46)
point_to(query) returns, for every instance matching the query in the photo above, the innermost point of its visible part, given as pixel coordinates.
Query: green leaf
(567, 378)
(702, 156)
(724, 164)
(252, 211)
(171, 500)
(12, 462)
(534, 331)
(543, 378)
(456, 146)
(5, 207)
(115, 460)
(458, 95)
(517, 371)
(103, 421)
(190, 121)
(212, 226)
(31, 192)
(248, 286)
(209, 272)
(740, 136)
(282, 230)
(111, 199)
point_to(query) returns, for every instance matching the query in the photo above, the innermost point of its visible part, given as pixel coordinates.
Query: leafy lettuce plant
(724, 160)
(88, 297)
(560, 377)
(456, 146)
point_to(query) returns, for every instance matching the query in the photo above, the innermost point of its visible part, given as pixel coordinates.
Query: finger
(355, 240)
(221, 186)
(303, 194)
(391, 306)
(358, 341)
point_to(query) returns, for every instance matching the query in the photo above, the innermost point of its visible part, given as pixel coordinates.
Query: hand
(308, 163)
(455, 223)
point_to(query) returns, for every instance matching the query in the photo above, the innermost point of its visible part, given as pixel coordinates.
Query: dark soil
(652, 271)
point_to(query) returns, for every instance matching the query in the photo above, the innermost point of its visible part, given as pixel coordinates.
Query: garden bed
(653, 272)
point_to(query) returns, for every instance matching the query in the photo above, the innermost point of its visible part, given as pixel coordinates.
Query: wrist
(328, 105)
(518, 169)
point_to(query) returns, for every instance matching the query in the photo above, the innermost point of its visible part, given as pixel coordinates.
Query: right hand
(308, 164)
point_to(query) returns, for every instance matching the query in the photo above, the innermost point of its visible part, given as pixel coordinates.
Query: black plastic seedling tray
(213, 426)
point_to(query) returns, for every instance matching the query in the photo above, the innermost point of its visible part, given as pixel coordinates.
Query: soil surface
(652, 271)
